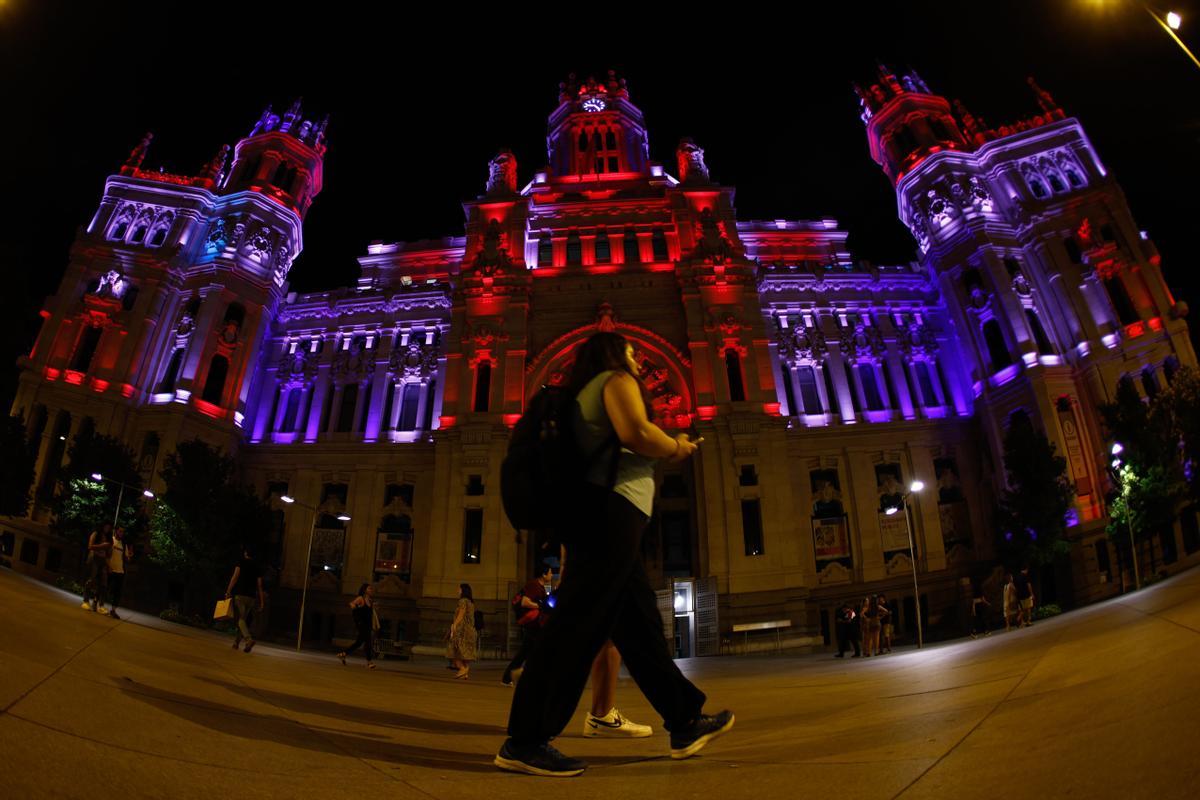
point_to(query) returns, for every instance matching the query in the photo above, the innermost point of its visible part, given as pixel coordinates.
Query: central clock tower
(596, 130)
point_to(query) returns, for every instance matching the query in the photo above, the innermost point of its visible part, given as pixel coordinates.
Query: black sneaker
(506, 678)
(541, 760)
(688, 741)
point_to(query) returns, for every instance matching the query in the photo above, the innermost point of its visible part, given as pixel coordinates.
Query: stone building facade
(823, 386)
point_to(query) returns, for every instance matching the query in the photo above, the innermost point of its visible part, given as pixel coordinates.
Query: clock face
(594, 104)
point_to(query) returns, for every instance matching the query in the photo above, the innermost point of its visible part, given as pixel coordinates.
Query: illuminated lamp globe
(1174, 21)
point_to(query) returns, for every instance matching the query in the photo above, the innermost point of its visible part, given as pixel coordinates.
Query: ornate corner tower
(157, 325)
(1055, 291)
(596, 130)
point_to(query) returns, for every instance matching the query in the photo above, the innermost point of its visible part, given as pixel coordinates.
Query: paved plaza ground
(1100, 703)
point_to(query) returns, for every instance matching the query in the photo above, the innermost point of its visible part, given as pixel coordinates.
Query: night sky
(419, 104)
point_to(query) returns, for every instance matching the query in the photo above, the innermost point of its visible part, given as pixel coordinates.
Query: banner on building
(393, 554)
(831, 538)
(893, 531)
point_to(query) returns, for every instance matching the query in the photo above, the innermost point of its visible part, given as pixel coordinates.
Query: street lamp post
(1170, 22)
(312, 530)
(916, 486)
(1117, 449)
(96, 476)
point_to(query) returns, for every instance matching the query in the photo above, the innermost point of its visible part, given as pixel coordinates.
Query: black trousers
(363, 641)
(116, 582)
(604, 595)
(530, 636)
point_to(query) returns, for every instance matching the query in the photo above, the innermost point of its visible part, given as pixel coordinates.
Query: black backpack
(545, 467)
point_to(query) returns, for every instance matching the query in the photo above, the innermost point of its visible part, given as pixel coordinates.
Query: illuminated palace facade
(823, 386)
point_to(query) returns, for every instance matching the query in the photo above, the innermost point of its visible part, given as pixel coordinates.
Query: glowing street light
(312, 530)
(96, 476)
(1174, 20)
(148, 493)
(1117, 449)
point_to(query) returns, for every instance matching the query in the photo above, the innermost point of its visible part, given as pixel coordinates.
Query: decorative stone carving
(218, 237)
(493, 259)
(298, 367)
(414, 360)
(800, 342)
(916, 338)
(353, 364)
(502, 173)
(861, 341)
(111, 284)
(690, 158)
(723, 320)
(484, 335)
(711, 243)
(261, 244)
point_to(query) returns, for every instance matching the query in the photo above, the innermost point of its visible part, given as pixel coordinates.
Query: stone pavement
(1100, 703)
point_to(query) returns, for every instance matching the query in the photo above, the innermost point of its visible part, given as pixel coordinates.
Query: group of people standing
(107, 555)
(869, 623)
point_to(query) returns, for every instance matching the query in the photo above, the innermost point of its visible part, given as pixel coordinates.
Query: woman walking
(606, 594)
(362, 608)
(871, 626)
(463, 636)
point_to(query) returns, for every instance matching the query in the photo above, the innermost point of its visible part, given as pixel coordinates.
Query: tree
(17, 460)
(1176, 415)
(1146, 504)
(205, 518)
(84, 503)
(1031, 517)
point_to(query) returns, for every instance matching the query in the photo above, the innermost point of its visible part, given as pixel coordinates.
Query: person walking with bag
(362, 609)
(532, 612)
(606, 595)
(245, 587)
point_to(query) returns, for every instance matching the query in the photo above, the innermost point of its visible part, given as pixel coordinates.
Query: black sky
(419, 103)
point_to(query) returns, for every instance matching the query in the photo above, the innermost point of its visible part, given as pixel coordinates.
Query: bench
(776, 625)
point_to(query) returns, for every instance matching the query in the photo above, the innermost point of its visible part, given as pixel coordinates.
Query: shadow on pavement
(371, 716)
(238, 722)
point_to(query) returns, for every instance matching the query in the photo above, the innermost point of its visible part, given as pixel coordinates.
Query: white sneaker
(613, 723)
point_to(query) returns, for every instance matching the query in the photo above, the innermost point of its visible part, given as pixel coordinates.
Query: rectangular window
(870, 387)
(574, 249)
(658, 245)
(752, 527)
(1103, 565)
(733, 368)
(410, 401)
(545, 251)
(86, 349)
(807, 379)
(629, 244)
(53, 559)
(472, 535)
(345, 421)
(483, 386)
(789, 395)
(928, 396)
(676, 529)
(603, 248)
(29, 551)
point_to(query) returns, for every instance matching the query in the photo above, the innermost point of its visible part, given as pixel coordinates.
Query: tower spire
(1044, 98)
(137, 154)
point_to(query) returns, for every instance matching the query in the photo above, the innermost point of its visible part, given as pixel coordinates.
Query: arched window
(1038, 188)
(809, 396)
(583, 142)
(939, 129)
(1073, 178)
(733, 370)
(214, 384)
(998, 351)
(545, 252)
(944, 381)
(235, 313)
(281, 174)
(629, 244)
(85, 348)
(1056, 183)
(1039, 333)
(129, 298)
(483, 386)
(1121, 301)
(121, 228)
(250, 172)
(574, 249)
(171, 374)
(139, 233)
(610, 140)
(603, 248)
(159, 236)
(658, 245)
